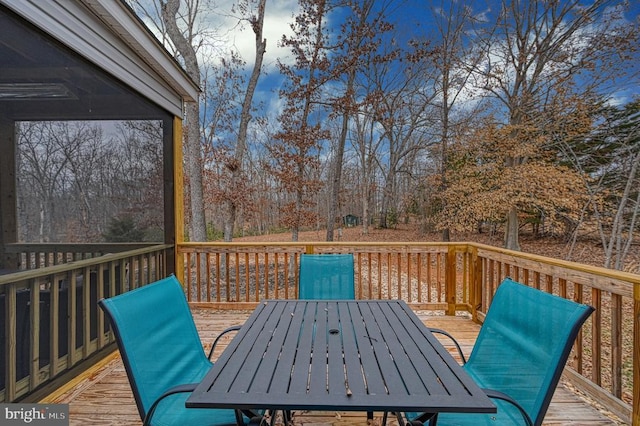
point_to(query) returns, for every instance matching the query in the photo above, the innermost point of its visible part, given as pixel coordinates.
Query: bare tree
(367, 144)
(181, 26)
(402, 109)
(82, 145)
(42, 165)
(301, 133)
(605, 149)
(235, 165)
(79, 175)
(361, 35)
(184, 41)
(452, 22)
(223, 87)
(535, 51)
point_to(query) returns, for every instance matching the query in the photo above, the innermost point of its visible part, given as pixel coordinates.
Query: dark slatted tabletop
(338, 355)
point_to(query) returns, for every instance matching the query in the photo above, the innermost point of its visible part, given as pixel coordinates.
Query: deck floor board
(102, 396)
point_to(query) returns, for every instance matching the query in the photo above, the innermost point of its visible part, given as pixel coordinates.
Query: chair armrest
(432, 420)
(455, 342)
(504, 397)
(215, 342)
(188, 387)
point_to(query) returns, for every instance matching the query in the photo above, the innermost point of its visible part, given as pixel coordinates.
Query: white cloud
(278, 16)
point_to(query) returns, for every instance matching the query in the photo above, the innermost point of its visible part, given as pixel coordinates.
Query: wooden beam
(178, 197)
(8, 209)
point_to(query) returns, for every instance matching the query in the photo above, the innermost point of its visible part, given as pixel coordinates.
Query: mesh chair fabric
(161, 348)
(521, 350)
(326, 276)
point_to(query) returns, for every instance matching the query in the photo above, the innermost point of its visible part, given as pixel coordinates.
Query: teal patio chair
(326, 276)
(162, 354)
(519, 355)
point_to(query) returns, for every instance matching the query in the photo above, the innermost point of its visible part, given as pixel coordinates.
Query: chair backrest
(326, 276)
(157, 339)
(524, 344)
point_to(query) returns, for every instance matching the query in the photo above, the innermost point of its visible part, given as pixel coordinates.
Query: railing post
(450, 280)
(178, 200)
(475, 282)
(635, 410)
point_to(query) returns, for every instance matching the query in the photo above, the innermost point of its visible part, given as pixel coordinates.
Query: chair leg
(273, 414)
(429, 419)
(239, 418)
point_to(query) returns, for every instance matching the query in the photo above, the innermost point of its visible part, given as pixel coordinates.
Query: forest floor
(585, 250)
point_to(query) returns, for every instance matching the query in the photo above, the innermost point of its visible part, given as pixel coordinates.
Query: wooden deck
(102, 396)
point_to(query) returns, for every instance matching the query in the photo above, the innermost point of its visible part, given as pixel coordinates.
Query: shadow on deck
(102, 396)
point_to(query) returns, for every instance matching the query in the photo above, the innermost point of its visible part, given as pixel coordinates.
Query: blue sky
(410, 15)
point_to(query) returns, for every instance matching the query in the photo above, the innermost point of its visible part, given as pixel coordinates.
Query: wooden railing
(41, 255)
(240, 275)
(41, 346)
(606, 360)
(449, 278)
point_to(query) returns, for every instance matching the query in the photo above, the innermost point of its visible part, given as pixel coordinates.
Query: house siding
(111, 48)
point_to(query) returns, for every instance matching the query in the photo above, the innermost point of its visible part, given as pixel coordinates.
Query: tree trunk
(388, 197)
(193, 166)
(511, 234)
(337, 167)
(245, 118)
(365, 213)
(613, 249)
(193, 157)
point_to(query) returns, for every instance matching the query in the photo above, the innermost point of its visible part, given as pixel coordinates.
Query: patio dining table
(338, 355)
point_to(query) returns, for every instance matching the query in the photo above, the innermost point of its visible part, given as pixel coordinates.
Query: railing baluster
(237, 276)
(596, 343)
(257, 286)
(419, 276)
(11, 342)
(379, 256)
(275, 276)
(616, 345)
(266, 275)
(247, 275)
